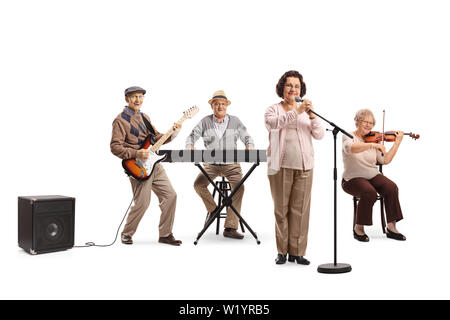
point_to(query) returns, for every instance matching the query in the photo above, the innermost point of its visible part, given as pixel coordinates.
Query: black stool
(225, 187)
(379, 197)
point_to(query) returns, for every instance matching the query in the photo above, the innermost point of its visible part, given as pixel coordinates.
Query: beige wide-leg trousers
(291, 194)
(158, 183)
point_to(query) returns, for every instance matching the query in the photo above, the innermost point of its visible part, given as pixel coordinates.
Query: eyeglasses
(292, 86)
(140, 97)
(368, 123)
(221, 104)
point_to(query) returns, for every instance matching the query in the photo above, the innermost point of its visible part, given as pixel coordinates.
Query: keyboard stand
(226, 201)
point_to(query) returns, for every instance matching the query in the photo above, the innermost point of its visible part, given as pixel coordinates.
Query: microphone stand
(334, 267)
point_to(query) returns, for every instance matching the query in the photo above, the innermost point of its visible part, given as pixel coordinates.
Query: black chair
(379, 197)
(225, 187)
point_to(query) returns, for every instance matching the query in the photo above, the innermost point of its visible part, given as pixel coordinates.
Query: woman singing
(362, 179)
(290, 162)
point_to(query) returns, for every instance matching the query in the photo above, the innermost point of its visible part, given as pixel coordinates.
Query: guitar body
(140, 169)
(143, 169)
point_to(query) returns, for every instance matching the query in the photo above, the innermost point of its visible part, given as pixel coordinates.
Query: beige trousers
(233, 173)
(158, 183)
(291, 194)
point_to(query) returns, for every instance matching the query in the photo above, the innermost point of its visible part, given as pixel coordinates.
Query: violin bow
(382, 132)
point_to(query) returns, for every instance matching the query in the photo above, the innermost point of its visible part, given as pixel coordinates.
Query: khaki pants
(158, 183)
(233, 173)
(291, 194)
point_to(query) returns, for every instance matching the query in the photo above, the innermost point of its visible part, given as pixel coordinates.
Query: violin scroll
(414, 136)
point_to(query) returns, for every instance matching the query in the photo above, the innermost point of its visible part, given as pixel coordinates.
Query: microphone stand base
(334, 268)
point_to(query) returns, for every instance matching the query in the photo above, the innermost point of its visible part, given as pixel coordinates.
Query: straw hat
(219, 94)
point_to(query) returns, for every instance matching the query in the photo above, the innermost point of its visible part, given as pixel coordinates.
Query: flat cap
(134, 89)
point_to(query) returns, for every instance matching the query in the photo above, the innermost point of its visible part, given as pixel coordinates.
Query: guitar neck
(166, 136)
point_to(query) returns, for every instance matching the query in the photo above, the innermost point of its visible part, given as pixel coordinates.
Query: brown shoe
(232, 233)
(170, 240)
(126, 239)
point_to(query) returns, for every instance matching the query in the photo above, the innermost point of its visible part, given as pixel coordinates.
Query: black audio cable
(92, 244)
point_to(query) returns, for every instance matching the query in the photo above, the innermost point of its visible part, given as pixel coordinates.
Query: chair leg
(218, 216)
(383, 218)
(355, 207)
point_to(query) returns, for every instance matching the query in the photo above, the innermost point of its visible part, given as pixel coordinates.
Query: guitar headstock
(192, 111)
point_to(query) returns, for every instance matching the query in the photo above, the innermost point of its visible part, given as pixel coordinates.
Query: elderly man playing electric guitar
(131, 129)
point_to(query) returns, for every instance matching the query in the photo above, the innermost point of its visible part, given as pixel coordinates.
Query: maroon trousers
(366, 190)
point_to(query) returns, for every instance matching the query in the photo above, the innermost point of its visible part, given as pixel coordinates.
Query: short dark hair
(282, 82)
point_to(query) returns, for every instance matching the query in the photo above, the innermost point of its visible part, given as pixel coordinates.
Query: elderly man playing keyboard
(220, 131)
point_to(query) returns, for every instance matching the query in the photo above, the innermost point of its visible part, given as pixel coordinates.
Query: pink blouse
(276, 120)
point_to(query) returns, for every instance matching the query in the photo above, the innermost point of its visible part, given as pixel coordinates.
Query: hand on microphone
(305, 106)
(302, 107)
(308, 111)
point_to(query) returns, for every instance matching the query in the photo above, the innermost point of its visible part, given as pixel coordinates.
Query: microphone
(298, 99)
(336, 128)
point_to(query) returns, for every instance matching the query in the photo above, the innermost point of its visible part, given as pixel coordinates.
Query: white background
(65, 64)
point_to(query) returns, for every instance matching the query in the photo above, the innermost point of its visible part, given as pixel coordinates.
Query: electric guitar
(143, 169)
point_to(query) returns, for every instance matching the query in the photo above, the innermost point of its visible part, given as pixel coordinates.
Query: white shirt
(220, 127)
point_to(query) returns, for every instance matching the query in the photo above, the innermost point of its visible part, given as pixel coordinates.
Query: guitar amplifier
(46, 223)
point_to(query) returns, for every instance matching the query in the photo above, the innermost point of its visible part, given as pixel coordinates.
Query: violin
(388, 136)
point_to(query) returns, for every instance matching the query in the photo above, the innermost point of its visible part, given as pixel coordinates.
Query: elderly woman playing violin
(361, 177)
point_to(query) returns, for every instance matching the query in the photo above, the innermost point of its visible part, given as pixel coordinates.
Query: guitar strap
(148, 125)
(150, 129)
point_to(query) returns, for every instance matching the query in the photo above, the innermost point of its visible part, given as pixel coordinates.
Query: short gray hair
(361, 114)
